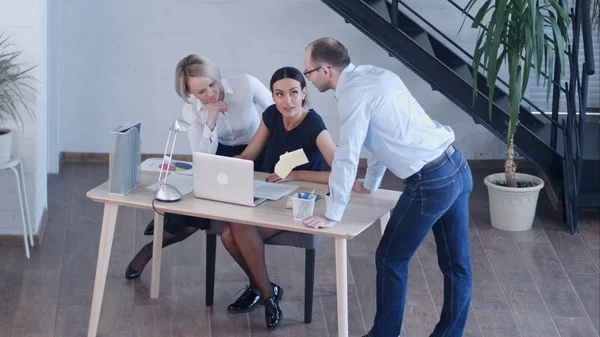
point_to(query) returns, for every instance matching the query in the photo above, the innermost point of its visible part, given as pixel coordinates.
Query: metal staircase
(540, 139)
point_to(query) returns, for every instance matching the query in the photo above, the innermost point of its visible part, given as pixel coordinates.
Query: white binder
(124, 172)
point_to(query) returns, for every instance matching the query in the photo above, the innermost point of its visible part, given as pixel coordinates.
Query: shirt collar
(343, 78)
(226, 87)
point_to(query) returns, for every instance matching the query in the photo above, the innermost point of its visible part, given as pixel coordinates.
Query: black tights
(247, 247)
(145, 254)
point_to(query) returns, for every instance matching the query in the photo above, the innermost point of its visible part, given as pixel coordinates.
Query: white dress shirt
(246, 98)
(377, 110)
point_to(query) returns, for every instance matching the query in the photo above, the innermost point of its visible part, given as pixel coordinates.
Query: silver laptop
(224, 179)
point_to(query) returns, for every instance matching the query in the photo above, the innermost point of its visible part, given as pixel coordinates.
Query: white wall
(24, 22)
(114, 62)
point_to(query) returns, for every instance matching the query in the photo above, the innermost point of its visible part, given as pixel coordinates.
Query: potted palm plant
(516, 35)
(15, 88)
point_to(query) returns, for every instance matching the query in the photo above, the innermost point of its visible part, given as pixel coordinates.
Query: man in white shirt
(378, 112)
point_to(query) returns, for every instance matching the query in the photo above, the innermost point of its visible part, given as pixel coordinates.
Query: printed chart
(177, 166)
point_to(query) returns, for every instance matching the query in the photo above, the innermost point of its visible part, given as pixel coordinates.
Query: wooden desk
(362, 211)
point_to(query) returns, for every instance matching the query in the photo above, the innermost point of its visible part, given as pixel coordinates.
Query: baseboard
(102, 158)
(17, 239)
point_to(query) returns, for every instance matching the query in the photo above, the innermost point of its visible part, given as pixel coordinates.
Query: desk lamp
(164, 191)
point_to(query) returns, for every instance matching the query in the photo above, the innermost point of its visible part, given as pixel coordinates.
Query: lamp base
(167, 193)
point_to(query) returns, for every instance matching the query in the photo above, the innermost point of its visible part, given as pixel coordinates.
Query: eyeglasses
(307, 72)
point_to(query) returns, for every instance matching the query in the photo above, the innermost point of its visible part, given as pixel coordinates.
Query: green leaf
(529, 52)
(559, 45)
(550, 68)
(476, 61)
(539, 42)
(560, 10)
(492, 76)
(481, 14)
(15, 85)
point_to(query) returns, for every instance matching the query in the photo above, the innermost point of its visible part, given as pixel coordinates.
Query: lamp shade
(180, 126)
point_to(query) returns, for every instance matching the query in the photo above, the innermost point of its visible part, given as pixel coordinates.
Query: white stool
(16, 165)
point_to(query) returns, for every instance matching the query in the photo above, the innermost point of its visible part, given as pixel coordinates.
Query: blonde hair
(194, 66)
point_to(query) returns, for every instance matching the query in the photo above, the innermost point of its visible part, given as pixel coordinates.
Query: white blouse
(246, 98)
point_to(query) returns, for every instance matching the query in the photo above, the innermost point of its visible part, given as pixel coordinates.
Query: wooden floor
(543, 282)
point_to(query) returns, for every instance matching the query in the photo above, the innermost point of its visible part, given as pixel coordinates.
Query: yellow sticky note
(288, 161)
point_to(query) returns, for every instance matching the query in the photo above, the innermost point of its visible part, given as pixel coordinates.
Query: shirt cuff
(371, 183)
(208, 134)
(334, 211)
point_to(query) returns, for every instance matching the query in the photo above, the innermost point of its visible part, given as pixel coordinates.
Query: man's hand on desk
(360, 187)
(318, 221)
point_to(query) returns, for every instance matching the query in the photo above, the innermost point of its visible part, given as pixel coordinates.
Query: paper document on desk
(272, 191)
(177, 166)
(184, 183)
(288, 161)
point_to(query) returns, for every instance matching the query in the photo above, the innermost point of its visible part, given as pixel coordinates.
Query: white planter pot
(513, 209)
(5, 146)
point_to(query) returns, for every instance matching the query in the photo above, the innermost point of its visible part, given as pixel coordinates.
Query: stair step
(446, 55)
(502, 101)
(591, 142)
(405, 23)
(589, 199)
(423, 40)
(464, 72)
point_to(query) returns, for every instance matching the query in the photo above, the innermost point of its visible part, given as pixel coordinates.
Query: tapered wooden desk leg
(159, 222)
(341, 266)
(382, 223)
(106, 239)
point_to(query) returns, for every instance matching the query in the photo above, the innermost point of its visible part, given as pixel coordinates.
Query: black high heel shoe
(273, 313)
(131, 273)
(249, 300)
(277, 291)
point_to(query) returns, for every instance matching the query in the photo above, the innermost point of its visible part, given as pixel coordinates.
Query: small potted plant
(15, 88)
(516, 35)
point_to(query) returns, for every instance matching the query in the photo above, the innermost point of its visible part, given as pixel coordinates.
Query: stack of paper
(272, 191)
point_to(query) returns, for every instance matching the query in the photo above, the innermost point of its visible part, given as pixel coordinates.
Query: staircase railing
(394, 18)
(576, 98)
(575, 91)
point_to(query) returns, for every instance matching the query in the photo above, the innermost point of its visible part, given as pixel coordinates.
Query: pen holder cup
(303, 208)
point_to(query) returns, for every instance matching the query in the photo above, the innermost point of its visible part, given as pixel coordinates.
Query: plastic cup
(303, 208)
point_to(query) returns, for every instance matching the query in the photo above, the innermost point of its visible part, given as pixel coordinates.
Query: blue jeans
(435, 198)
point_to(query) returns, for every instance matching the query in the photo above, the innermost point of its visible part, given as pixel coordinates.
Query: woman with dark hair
(286, 126)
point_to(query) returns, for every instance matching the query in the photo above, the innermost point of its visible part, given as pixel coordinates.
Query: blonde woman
(224, 113)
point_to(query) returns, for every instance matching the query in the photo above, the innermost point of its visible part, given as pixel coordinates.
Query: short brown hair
(330, 51)
(194, 66)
